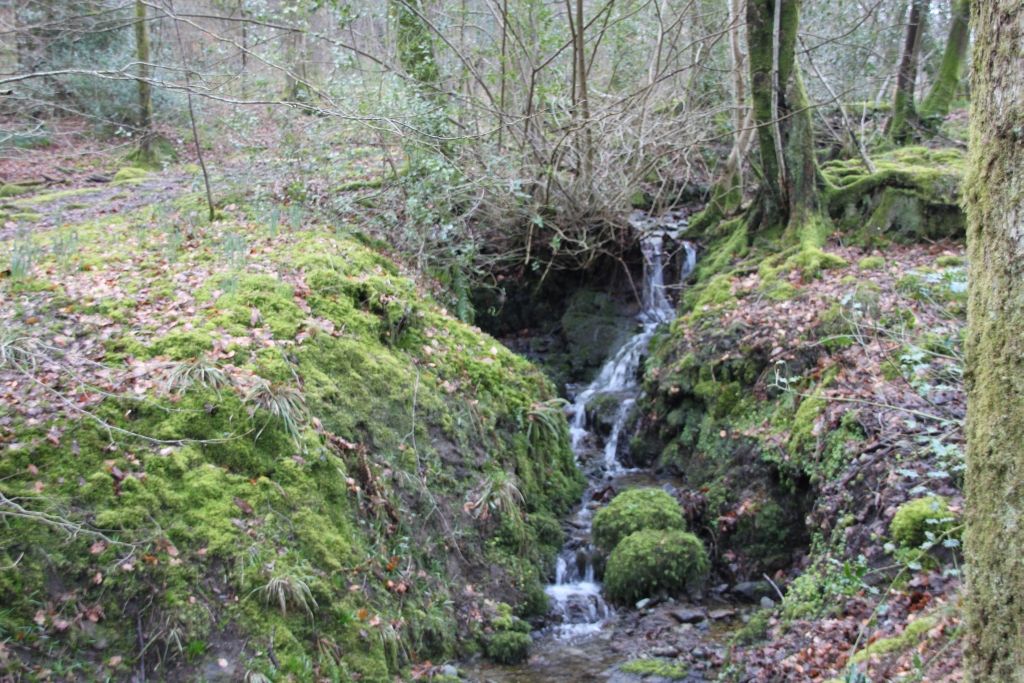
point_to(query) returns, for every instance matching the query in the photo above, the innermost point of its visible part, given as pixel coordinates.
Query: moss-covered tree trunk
(781, 113)
(943, 91)
(994, 541)
(144, 120)
(904, 108)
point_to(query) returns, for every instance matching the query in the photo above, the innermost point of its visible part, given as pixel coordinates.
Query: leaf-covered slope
(229, 450)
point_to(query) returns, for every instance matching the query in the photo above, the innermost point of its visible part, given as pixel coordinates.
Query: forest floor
(894, 615)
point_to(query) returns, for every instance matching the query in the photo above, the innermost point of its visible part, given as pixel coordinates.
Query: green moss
(25, 217)
(655, 561)
(259, 300)
(656, 667)
(182, 345)
(130, 174)
(871, 263)
(12, 190)
(918, 519)
(912, 634)
(635, 510)
(949, 261)
(508, 647)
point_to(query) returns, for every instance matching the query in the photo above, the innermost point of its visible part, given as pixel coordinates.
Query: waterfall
(577, 605)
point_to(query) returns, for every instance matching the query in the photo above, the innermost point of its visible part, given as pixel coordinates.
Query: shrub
(636, 510)
(915, 519)
(655, 561)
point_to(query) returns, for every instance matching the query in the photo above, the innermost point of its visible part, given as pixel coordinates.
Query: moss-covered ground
(230, 449)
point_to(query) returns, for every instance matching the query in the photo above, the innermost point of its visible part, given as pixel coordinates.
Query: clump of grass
(22, 260)
(289, 591)
(196, 372)
(235, 249)
(281, 401)
(498, 493)
(546, 418)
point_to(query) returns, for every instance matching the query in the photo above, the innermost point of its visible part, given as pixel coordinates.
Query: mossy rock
(915, 519)
(913, 195)
(508, 647)
(636, 510)
(654, 562)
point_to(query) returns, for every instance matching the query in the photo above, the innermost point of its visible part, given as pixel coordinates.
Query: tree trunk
(144, 121)
(904, 111)
(781, 113)
(994, 541)
(586, 151)
(951, 70)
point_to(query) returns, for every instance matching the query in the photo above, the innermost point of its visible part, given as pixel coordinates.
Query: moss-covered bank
(281, 458)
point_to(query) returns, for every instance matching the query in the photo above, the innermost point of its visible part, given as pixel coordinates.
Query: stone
(752, 591)
(723, 613)
(767, 603)
(450, 671)
(643, 603)
(688, 616)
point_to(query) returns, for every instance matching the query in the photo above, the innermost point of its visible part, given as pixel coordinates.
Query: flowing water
(577, 606)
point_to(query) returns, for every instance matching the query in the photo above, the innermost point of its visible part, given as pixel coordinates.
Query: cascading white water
(575, 596)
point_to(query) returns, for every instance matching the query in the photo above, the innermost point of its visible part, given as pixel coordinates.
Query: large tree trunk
(904, 110)
(940, 97)
(781, 112)
(994, 542)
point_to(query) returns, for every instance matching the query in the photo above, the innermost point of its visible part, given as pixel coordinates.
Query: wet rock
(668, 651)
(767, 603)
(752, 591)
(641, 604)
(450, 671)
(688, 616)
(722, 613)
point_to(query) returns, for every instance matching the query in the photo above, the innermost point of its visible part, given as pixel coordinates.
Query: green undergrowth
(316, 471)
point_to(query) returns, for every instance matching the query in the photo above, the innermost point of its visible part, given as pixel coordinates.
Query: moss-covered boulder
(654, 562)
(912, 195)
(916, 519)
(509, 640)
(636, 510)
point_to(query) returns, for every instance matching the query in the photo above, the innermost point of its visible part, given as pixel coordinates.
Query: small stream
(575, 643)
(578, 609)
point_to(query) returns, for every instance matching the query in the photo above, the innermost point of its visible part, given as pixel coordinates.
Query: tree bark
(781, 113)
(145, 92)
(904, 110)
(943, 91)
(994, 540)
